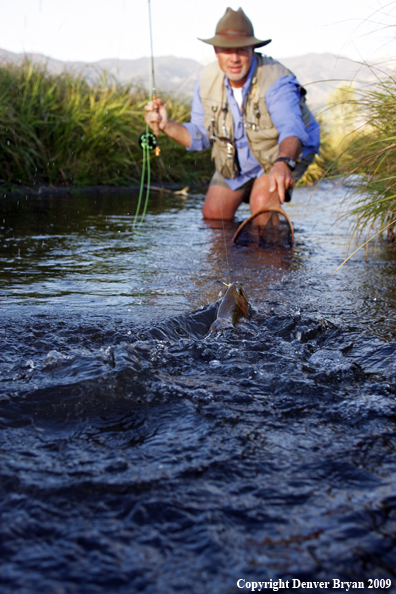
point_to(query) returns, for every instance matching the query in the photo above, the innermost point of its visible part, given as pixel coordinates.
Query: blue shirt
(282, 103)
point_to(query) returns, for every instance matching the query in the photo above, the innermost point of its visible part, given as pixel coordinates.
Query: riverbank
(46, 190)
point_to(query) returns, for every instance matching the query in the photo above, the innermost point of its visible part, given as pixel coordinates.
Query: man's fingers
(272, 183)
(277, 182)
(152, 116)
(153, 106)
(280, 179)
(281, 190)
(156, 115)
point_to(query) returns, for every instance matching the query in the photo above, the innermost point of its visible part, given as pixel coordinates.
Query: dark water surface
(141, 454)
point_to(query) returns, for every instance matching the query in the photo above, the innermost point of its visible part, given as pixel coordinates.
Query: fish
(232, 308)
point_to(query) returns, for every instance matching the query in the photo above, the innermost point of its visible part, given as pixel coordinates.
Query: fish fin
(221, 324)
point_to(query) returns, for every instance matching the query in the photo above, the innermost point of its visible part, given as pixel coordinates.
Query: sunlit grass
(358, 132)
(339, 127)
(372, 160)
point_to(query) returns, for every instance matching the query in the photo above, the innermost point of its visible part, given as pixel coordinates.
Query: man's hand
(156, 114)
(280, 176)
(281, 179)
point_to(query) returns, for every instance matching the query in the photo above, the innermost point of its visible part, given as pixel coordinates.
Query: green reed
(372, 158)
(61, 130)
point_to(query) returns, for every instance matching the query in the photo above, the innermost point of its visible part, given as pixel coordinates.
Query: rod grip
(156, 129)
(155, 125)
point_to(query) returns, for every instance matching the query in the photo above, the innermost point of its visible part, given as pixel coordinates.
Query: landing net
(269, 226)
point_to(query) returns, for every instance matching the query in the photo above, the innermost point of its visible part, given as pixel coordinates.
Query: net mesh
(273, 231)
(270, 226)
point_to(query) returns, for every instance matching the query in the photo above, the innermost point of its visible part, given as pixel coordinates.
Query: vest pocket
(226, 162)
(265, 121)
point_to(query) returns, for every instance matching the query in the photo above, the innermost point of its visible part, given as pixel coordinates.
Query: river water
(140, 453)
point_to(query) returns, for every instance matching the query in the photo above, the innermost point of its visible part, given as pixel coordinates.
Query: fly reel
(148, 141)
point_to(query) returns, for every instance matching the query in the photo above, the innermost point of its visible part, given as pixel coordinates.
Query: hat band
(233, 33)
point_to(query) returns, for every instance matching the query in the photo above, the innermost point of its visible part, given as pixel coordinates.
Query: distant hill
(319, 73)
(177, 75)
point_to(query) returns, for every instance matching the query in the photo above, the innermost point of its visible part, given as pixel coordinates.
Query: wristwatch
(289, 162)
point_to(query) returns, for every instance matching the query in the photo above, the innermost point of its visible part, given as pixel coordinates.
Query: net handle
(273, 205)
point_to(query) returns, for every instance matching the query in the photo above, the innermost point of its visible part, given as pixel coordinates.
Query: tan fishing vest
(260, 130)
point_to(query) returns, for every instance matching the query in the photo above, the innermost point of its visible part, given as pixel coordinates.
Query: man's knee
(211, 208)
(220, 203)
(209, 212)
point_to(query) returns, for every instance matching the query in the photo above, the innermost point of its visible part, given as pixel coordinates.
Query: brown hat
(234, 29)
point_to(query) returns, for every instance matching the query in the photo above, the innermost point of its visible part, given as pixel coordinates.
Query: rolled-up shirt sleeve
(282, 103)
(196, 127)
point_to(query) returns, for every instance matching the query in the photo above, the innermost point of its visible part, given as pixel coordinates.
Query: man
(253, 110)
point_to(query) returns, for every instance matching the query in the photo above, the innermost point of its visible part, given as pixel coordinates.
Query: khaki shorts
(246, 188)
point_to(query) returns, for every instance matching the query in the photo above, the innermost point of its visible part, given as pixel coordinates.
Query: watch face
(289, 162)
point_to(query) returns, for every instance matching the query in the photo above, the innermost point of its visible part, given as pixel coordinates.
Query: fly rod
(149, 140)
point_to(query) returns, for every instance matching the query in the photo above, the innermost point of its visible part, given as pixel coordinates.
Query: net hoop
(273, 205)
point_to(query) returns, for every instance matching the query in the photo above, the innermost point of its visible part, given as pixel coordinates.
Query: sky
(91, 30)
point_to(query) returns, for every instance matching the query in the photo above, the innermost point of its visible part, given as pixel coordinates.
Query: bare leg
(221, 203)
(259, 197)
(260, 193)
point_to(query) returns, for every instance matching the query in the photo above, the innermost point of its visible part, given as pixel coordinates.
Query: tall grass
(372, 160)
(61, 130)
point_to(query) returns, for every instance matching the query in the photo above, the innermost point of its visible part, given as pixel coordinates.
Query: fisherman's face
(235, 63)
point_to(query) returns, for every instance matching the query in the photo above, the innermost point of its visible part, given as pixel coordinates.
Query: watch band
(289, 162)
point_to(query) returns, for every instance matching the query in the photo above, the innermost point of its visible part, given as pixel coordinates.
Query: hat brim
(242, 41)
